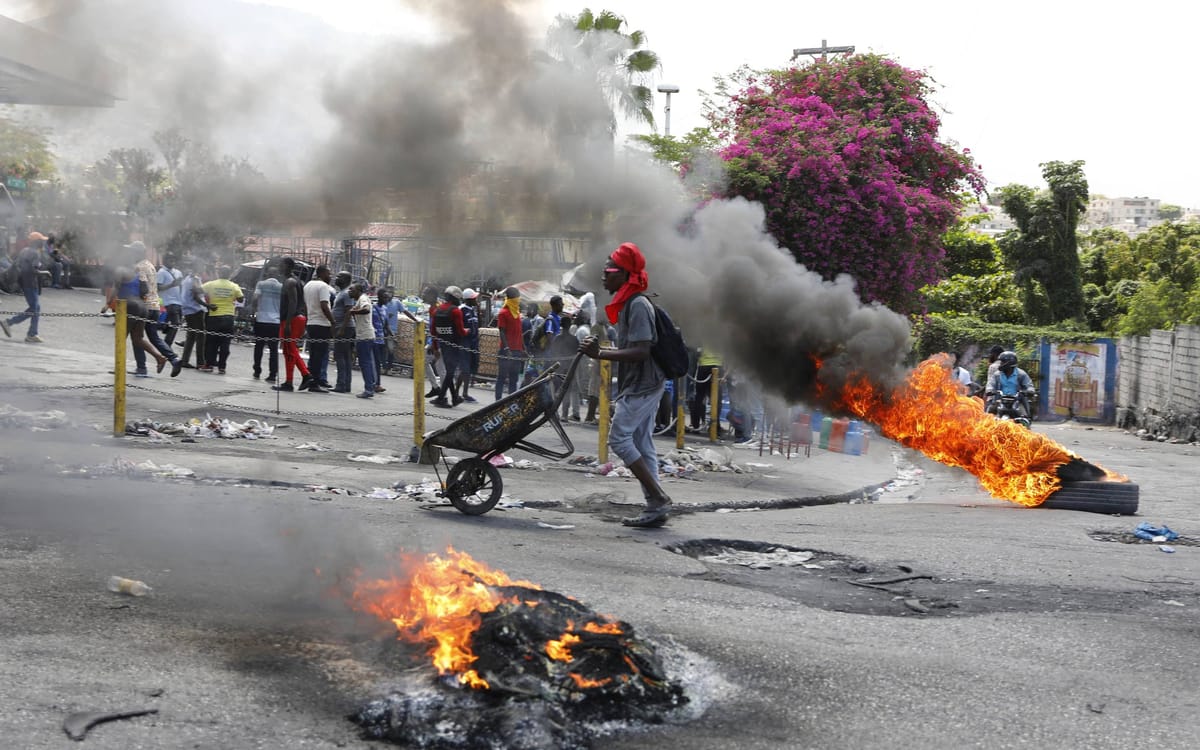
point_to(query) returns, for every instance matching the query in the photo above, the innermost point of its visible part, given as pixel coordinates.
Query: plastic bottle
(802, 429)
(853, 444)
(129, 586)
(837, 434)
(826, 427)
(866, 440)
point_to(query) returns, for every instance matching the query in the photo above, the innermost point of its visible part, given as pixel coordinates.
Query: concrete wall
(1158, 383)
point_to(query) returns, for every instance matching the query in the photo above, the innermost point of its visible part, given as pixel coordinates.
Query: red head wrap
(629, 258)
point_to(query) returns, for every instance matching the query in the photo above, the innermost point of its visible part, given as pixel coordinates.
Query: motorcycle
(1010, 408)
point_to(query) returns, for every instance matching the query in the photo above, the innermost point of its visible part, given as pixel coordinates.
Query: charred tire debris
(839, 583)
(1114, 498)
(609, 679)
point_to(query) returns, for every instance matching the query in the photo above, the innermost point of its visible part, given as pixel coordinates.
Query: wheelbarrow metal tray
(498, 426)
(505, 424)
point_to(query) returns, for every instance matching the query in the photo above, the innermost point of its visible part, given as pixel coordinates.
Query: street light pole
(823, 51)
(668, 89)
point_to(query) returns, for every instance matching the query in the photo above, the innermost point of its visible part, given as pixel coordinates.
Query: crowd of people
(182, 303)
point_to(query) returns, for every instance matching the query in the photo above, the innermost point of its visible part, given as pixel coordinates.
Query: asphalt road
(1032, 629)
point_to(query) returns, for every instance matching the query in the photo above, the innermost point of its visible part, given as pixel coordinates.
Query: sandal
(162, 363)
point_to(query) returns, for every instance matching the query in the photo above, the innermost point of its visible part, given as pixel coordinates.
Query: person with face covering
(640, 381)
(512, 343)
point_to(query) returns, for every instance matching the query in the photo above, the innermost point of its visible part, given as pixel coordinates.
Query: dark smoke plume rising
(335, 126)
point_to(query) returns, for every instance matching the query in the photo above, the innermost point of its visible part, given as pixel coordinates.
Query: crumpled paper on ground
(382, 493)
(376, 459)
(777, 557)
(313, 447)
(128, 468)
(38, 421)
(209, 427)
(708, 458)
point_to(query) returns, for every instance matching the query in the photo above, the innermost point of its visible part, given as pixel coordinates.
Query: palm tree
(620, 62)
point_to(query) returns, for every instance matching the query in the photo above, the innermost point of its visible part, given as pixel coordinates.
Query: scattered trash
(556, 527)
(509, 504)
(424, 491)
(382, 493)
(209, 427)
(119, 585)
(1166, 548)
(38, 421)
(582, 461)
(1096, 708)
(376, 459)
(916, 606)
(500, 461)
(737, 510)
(125, 467)
(77, 724)
(777, 557)
(525, 463)
(1152, 533)
(604, 469)
(313, 447)
(1174, 603)
(753, 465)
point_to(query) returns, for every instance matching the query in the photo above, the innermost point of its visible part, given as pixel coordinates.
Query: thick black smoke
(341, 129)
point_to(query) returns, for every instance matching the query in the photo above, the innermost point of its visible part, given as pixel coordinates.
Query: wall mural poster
(1077, 380)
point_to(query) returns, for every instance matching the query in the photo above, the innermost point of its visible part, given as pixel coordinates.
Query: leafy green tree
(1157, 304)
(25, 152)
(1043, 250)
(1169, 211)
(992, 298)
(970, 252)
(172, 145)
(621, 62)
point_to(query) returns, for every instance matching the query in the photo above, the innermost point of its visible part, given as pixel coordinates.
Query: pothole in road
(1128, 537)
(839, 583)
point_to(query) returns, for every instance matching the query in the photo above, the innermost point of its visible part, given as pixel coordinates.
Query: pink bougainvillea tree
(844, 156)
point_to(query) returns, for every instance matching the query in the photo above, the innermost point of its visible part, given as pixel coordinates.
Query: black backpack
(669, 351)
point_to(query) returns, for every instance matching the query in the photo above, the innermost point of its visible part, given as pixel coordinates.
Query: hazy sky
(1022, 82)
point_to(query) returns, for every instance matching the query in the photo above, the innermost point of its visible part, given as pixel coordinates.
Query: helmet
(452, 292)
(1008, 360)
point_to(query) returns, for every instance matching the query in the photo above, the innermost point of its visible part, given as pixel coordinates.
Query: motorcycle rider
(1009, 380)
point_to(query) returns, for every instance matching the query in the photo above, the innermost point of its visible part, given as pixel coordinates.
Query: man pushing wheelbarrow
(473, 485)
(640, 380)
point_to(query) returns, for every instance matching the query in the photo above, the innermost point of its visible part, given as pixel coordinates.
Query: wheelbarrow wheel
(474, 486)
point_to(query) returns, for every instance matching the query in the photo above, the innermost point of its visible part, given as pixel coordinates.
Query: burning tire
(473, 486)
(1113, 498)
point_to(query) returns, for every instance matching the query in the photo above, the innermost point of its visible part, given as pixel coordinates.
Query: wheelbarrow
(473, 484)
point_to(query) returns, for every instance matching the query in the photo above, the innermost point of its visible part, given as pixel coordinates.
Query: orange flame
(611, 628)
(584, 683)
(438, 600)
(560, 650)
(928, 413)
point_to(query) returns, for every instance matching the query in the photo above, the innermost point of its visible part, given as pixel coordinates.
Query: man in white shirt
(364, 339)
(318, 295)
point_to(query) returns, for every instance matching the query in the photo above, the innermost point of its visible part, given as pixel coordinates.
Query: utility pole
(823, 51)
(668, 89)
